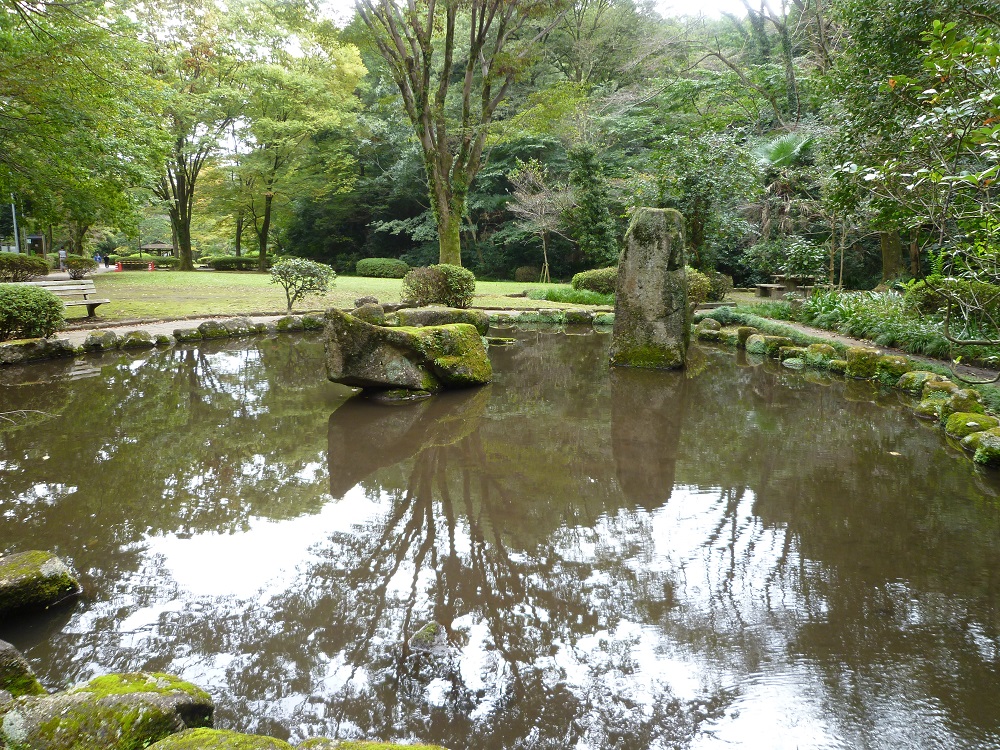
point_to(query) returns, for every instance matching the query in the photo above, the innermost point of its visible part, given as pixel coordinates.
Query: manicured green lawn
(138, 295)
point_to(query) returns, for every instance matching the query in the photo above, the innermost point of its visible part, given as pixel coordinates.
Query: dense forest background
(857, 139)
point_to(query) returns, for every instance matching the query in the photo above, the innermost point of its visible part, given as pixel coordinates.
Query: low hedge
(16, 267)
(600, 280)
(234, 263)
(382, 268)
(28, 312)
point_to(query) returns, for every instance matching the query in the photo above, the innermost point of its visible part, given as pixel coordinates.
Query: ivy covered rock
(431, 358)
(891, 367)
(963, 424)
(34, 580)
(914, 380)
(16, 675)
(218, 739)
(439, 316)
(819, 355)
(114, 712)
(862, 362)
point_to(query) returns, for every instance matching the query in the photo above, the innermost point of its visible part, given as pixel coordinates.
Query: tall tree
(425, 43)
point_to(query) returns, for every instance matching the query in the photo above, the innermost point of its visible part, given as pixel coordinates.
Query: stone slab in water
(34, 580)
(652, 316)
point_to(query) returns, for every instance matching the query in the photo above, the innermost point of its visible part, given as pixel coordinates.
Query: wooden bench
(68, 290)
(767, 290)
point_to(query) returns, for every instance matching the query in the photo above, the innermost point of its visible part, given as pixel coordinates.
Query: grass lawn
(141, 295)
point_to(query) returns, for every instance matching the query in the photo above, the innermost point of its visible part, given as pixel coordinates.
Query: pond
(734, 557)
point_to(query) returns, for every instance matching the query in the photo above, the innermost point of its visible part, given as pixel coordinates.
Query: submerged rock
(430, 639)
(439, 316)
(419, 359)
(652, 316)
(34, 580)
(16, 675)
(218, 739)
(114, 712)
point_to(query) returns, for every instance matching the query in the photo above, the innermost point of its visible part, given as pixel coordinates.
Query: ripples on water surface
(729, 559)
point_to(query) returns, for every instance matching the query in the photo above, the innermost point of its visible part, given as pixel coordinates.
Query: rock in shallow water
(34, 580)
(16, 675)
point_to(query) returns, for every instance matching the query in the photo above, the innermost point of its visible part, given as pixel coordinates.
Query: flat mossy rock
(34, 580)
(794, 363)
(29, 350)
(769, 346)
(502, 319)
(218, 739)
(579, 317)
(988, 449)
(709, 324)
(941, 388)
(972, 441)
(819, 355)
(838, 366)
(370, 313)
(137, 340)
(500, 341)
(182, 335)
(430, 358)
(114, 712)
(963, 424)
(544, 317)
(708, 334)
(213, 329)
(743, 333)
(440, 316)
(967, 401)
(289, 323)
(791, 352)
(913, 381)
(862, 362)
(891, 367)
(101, 341)
(320, 743)
(16, 675)
(604, 319)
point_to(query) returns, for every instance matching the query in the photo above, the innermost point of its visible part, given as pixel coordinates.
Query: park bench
(769, 290)
(69, 290)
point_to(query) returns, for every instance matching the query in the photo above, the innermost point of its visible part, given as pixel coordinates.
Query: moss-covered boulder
(321, 743)
(370, 313)
(708, 334)
(768, 346)
(114, 712)
(862, 362)
(891, 367)
(183, 335)
(602, 320)
(312, 322)
(218, 739)
(29, 350)
(101, 341)
(430, 358)
(503, 320)
(579, 317)
(164, 339)
(962, 400)
(137, 340)
(791, 352)
(16, 675)
(652, 316)
(819, 355)
(838, 366)
(213, 329)
(963, 424)
(988, 449)
(929, 408)
(239, 326)
(972, 441)
(440, 316)
(289, 323)
(743, 333)
(709, 324)
(34, 580)
(940, 388)
(914, 380)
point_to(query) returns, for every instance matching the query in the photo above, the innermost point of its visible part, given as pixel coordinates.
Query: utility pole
(13, 213)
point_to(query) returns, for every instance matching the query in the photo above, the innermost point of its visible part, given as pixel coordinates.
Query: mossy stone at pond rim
(650, 357)
(929, 408)
(113, 712)
(500, 341)
(312, 322)
(239, 326)
(604, 319)
(30, 350)
(213, 329)
(164, 339)
(941, 387)
(709, 324)
(321, 743)
(769, 346)
(34, 580)
(549, 317)
(182, 335)
(791, 352)
(218, 739)
(971, 441)
(914, 380)
(743, 333)
(137, 340)
(370, 313)
(963, 424)
(838, 366)
(962, 401)
(16, 675)
(708, 334)
(988, 451)
(502, 319)
(891, 367)
(794, 363)
(578, 317)
(862, 362)
(819, 355)
(289, 323)
(440, 316)
(101, 341)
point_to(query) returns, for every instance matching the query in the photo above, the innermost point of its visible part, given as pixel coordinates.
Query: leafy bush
(600, 280)
(78, 266)
(381, 268)
(803, 258)
(926, 296)
(15, 267)
(721, 285)
(526, 274)
(233, 263)
(168, 261)
(443, 284)
(28, 312)
(699, 286)
(573, 296)
(299, 277)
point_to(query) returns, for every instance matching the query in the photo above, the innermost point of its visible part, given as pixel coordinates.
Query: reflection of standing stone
(652, 319)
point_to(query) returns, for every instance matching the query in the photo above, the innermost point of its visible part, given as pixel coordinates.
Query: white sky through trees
(342, 10)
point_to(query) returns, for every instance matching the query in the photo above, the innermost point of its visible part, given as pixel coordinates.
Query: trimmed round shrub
(28, 312)
(600, 280)
(699, 286)
(721, 285)
(78, 266)
(382, 268)
(527, 273)
(443, 284)
(15, 267)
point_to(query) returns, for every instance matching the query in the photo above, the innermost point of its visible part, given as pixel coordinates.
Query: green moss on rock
(213, 329)
(312, 323)
(819, 355)
(962, 401)
(579, 317)
(838, 366)
(182, 335)
(862, 362)
(929, 408)
(708, 334)
(604, 319)
(650, 358)
(218, 739)
(914, 380)
(709, 324)
(503, 320)
(963, 424)
(16, 675)
(769, 346)
(891, 367)
(794, 363)
(371, 313)
(101, 341)
(971, 441)
(743, 333)
(988, 450)
(791, 352)
(941, 388)
(34, 580)
(289, 323)
(137, 340)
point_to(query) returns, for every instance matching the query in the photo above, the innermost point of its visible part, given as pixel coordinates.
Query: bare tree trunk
(892, 254)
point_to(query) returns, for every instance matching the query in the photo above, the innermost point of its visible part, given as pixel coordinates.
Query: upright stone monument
(652, 317)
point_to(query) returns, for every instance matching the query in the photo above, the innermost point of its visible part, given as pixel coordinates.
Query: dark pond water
(732, 558)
